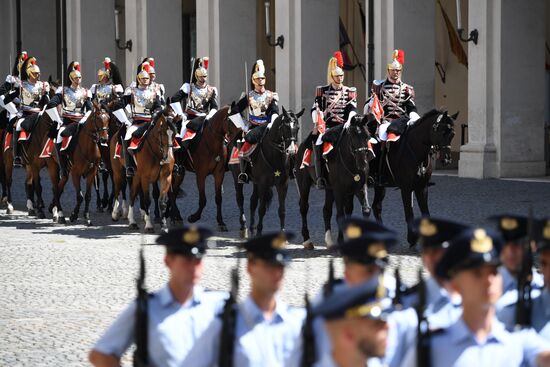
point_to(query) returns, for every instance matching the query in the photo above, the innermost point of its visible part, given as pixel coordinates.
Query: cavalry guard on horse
(109, 83)
(334, 105)
(32, 96)
(76, 108)
(11, 85)
(199, 99)
(262, 106)
(396, 99)
(141, 100)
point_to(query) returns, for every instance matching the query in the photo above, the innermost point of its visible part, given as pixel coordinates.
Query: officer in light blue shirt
(477, 338)
(354, 318)
(540, 308)
(264, 331)
(177, 314)
(365, 255)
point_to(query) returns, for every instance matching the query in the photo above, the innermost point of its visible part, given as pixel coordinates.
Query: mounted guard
(109, 83)
(396, 99)
(140, 101)
(76, 108)
(199, 99)
(335, 104)
(32, 96)
(262, 107)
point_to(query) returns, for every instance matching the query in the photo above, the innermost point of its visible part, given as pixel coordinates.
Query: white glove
(211, 113)
(186, 88)
(121, 116)
(413, 116)
(351, 115)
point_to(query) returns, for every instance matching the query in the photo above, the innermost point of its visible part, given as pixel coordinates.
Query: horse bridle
(353, 151)
(281, 147)
(98, 130)
(435, 127)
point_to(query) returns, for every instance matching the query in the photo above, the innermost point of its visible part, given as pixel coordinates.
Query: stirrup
(242, 178)
(130, 172)
(17, 162)
(102, 168)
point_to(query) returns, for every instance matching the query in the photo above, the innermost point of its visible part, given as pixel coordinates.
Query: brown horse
(155, 161)
(207, 157)
(85, 157)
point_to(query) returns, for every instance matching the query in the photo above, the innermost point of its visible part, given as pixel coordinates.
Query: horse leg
(116, 212)
(175, 214)
(88, 197)
(243, 231)
(79, 197)
(363, 197)
(165, 192)
(8, 183)
(253, 205)
(327, 216)
(105, 198)
(281, 194)
(218, 182)
(97, 194)
(39, 202)
(421, 194)
(339, 200)
(145, 203)
(263, 195)
(379, 194)
(134, 190)
(305, 187)
(201, 178)
(125, 186)
(406, 197)
(156, 196)
(60, 189)
(29, 191)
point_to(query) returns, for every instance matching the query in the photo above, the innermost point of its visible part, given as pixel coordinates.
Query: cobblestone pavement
(62, 285)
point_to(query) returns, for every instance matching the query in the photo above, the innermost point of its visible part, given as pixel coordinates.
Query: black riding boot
(382, 180)
(243, 177)
(320, 181)
(128, 159)
(62, 160)
(16, 157)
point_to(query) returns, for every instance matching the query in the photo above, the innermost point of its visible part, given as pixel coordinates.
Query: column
(135, 13)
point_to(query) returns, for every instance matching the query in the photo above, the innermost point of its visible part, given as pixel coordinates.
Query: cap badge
(377, 250)
(481, 243)
(508, 224)
(427, 228)
(353, 231)
(191, 236)
(279, 242)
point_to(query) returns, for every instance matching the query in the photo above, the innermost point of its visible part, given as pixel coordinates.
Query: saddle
(398, 126)
(197, 126)
(256, 135)
(333, 134)
(136, 142)
(70, 137)
(29, 122)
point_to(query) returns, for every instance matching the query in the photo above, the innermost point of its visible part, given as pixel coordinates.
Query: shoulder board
(88, 93)
(118, 88)
(351, 89)
(10, 79)
(319, 91)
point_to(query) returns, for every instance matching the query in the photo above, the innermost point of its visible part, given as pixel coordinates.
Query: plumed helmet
(151, 62)
(105, 71)
(258, 71)
(144, 72)
(73, 72)
(201, 68)
(335, 66)
(23, 56)
(29, 67)
(398, 60)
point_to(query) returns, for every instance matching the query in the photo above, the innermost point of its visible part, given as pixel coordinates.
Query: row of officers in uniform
(481, 302)
(23, 96)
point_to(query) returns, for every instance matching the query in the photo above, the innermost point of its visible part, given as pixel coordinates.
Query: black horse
(410, 165)
(347, 171)
(269, 166)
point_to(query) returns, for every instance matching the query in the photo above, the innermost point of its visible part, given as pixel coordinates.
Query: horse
(410, 164)
(85, 157)
(270, 166)
(206, 156)
(347, 173)
(155, 161)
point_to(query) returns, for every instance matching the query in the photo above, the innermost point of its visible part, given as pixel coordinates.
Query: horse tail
(268, 197)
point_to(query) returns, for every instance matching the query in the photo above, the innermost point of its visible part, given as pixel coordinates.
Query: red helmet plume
(205, 62)
(339, 59)
(107, 63)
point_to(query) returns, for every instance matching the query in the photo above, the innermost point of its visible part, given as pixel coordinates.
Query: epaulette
(319, 90)
(59, 90)
(377, 82)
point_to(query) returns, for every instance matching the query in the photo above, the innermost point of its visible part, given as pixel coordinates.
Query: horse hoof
(89, 223)
(157, 220)
(40, 215)
(133, 226)
(50, 208)
(149, 230)
(193, 218)
(115, 218)
(308, 245)
(73, 217)
(31, 212)
(222, 228)
(4, 200)
(9, 210)
(61, 220)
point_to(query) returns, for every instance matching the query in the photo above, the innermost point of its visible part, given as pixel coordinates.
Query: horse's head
(101, 120)
(442, 134)
(290, 126)
(359, 140)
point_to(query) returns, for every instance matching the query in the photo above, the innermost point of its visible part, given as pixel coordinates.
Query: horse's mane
(425, 117)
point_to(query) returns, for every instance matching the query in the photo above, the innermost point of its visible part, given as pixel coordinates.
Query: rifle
(329, 285)
(423, 357)
(525, 277)
(229, 320)
(141, 354)
(308, 338)
(190, 81)
(397, 299)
